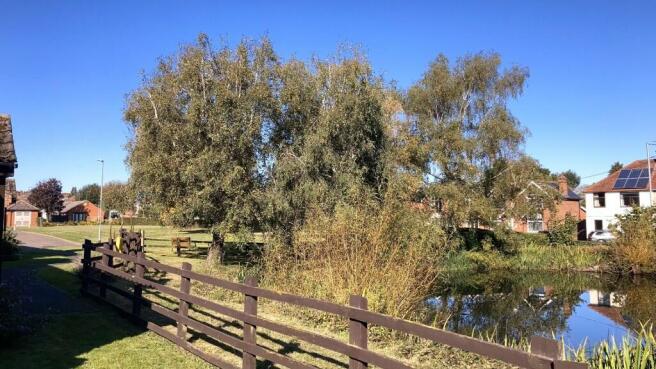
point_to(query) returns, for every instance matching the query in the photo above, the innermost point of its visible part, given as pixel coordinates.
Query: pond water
(581, 308)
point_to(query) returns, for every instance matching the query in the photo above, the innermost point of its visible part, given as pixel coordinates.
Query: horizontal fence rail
(545, 353)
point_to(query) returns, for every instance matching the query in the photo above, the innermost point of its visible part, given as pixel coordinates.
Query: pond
(581, 308)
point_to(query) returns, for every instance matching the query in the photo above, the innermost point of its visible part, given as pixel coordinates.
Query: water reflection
(577, 307)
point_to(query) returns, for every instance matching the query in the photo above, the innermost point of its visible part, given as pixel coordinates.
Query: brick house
(569, 204)
(22, 214)
(80, 211)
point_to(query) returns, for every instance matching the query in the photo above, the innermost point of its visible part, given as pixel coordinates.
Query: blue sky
(66, 66)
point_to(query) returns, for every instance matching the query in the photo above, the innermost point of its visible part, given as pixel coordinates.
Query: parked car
(601, 236)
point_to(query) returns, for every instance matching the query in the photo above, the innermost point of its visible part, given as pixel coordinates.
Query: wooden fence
(545, 353)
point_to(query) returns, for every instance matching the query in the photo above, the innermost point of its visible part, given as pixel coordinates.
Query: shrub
(388, 253)
(562, 231)
(636, 240)
(8, 245)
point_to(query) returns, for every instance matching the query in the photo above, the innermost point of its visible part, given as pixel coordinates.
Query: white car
(601, 236)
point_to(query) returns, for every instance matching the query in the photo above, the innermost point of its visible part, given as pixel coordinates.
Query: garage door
(23, 218)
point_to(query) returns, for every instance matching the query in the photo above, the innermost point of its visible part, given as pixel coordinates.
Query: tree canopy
(47, 195)
(90, 192)
(615, 167)
(236, 139)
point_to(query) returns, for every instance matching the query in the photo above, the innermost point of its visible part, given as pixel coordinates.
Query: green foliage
(388, 253)
(8, 245)
(470, 146)
(118, 196)
(615, 167)
(90, 192)
(47, 195)
(635, 352)
(635, 248)
(573, 179)
(562, 231)
(198, 123)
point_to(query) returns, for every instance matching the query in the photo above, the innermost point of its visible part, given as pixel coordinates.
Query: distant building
(569, 204)
(22, 214)
(618, 193)
(80, 211)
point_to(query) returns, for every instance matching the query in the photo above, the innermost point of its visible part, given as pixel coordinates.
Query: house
(22, 214)
(80, 211)
(569, 204)
(618, 193)
(8, 162)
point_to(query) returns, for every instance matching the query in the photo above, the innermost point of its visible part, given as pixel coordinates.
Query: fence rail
(545, 353)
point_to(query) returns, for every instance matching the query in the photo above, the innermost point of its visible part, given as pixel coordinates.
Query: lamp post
(102, 179)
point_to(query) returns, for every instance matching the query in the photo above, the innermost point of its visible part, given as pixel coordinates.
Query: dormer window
(599, 200)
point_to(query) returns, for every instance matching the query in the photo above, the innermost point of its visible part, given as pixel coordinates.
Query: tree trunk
(215, 252)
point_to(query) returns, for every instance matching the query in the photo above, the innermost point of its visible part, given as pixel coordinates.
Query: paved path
(42, 241)
(39, 297)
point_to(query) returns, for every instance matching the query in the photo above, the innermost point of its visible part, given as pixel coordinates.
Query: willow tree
(328, 145)
(197, 134)
(466, 141)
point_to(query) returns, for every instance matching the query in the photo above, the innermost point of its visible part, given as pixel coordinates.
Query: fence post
(358, 334)
(139, 272)
(546, 347)
(249, 361)
(559, 364)
(105, 262)
(86, 265)
(183, 309)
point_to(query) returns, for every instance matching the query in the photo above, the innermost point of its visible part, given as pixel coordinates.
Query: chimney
(562, 185)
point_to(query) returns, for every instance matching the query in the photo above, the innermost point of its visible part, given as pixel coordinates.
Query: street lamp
(650, 171)
(100, 213)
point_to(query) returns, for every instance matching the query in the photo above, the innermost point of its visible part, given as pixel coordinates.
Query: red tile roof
(606, 184)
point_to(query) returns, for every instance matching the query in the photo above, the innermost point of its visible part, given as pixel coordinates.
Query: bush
(389, 254)
(635, 249)
(563, 231)
(8, 245)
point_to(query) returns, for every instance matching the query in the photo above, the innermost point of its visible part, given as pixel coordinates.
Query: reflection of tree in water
(639, 300)
(508, 304)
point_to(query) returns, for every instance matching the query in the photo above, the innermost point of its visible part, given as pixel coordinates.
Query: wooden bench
(179, 243)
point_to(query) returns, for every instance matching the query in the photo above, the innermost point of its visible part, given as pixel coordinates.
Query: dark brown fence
(545, 353)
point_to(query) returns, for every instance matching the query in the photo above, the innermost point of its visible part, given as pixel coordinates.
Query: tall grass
(388, 254)
(635, 352)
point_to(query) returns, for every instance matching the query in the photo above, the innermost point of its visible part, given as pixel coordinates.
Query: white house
(617, 193)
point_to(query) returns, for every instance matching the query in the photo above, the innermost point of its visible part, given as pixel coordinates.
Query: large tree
(328, 144)
(118, 196)
(468, 143)
(197, 124)
(90, 192)
(47, 195)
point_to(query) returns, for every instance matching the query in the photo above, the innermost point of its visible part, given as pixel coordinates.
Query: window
(600, 200)
(630, 199)
(535, 224)
(599, 225)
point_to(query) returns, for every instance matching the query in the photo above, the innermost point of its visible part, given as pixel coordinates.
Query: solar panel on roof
(635, 173)
(619, 184)
(631, 183)
(632, 179)
(642, 183)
